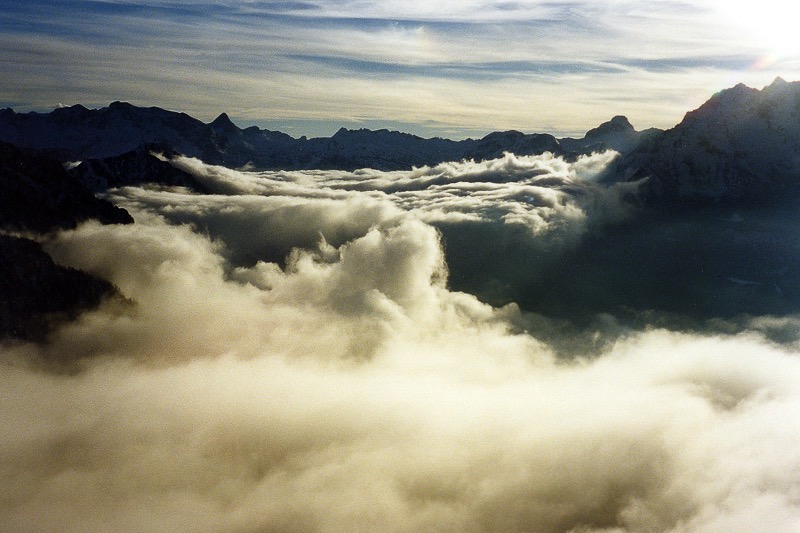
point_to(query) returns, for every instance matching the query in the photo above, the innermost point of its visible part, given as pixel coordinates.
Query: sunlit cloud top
(453, 68)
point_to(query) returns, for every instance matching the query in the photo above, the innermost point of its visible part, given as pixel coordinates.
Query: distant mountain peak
(223, 121)
(737, 91)
(620, 121)
(617, 124)
(725, 102)
(368, 134)
(65, 108)
(780, 86)
(778, 82)
(507, 134)
(74, 112)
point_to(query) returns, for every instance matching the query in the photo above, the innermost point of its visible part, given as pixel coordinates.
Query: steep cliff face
(742, 145)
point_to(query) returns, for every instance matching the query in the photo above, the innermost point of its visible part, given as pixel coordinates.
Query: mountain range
(741, 146)
(78, 134)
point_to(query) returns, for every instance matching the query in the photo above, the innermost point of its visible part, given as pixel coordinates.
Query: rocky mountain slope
(145, 164)
(36, 293)
(742, 145)
(38, 196)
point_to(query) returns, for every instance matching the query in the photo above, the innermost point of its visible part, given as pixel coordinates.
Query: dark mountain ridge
(77, 134)
(741, 146)
(39, 196)
(144, 164)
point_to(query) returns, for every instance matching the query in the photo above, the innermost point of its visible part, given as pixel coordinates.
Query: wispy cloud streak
(463, 64)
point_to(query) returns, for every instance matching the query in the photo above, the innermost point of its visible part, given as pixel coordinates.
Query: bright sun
(773, 24)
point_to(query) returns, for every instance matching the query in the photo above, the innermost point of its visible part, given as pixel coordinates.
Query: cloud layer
(542, 196)
(351, 389)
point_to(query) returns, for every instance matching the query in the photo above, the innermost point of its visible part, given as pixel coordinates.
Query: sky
(454, 68)
(353, 389)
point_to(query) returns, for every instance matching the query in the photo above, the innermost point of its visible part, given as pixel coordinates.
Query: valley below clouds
(511, 345)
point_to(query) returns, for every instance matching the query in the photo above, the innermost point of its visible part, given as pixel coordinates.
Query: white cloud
(356, 393)
(352, 390)
(511, 188)
(495, 215)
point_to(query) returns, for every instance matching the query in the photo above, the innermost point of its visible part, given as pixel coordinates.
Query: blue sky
(450, 68)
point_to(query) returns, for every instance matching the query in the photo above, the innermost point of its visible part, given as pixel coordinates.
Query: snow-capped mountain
(743, 144)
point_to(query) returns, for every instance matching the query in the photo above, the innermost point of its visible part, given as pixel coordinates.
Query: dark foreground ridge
(36, 293)
(38, 197)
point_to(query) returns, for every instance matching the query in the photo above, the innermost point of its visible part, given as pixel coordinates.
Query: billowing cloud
(350, 388)
(352, 391)
(538, 192)
(536, 230)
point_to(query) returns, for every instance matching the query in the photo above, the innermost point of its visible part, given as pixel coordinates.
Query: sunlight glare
(771, 23)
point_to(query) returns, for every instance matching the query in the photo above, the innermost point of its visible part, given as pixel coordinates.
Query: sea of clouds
(289, 354)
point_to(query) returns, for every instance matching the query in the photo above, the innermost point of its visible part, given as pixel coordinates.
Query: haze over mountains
(207, 327)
